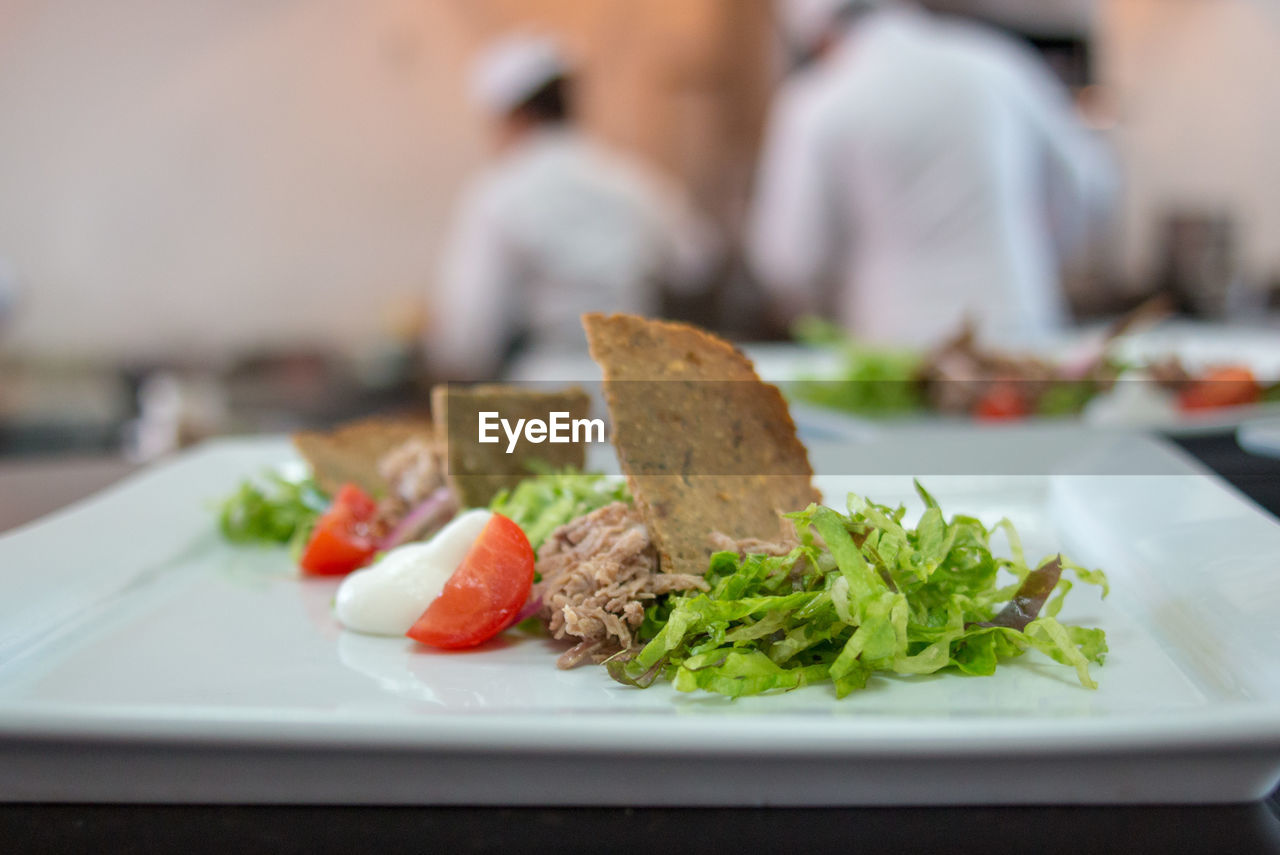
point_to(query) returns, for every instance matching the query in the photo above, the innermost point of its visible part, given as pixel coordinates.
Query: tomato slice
(343, 539)
(485, 593)
(1002, 401)
(1230, 386)
(356, 502)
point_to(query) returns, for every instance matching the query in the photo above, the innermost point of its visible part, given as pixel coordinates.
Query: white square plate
(142, 659)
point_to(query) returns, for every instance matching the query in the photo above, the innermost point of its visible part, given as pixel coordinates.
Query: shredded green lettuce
(543, 502)
(861, 594)
(873, 381)
(272, 509)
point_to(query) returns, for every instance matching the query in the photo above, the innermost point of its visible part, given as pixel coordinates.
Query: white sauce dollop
(388, 597)
(1135, 400)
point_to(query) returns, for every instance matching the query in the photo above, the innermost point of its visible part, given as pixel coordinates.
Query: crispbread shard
(476, 470)
(705, 445)
(351, 453)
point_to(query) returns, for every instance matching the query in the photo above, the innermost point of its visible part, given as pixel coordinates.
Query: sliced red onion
(530, 609)
(425, 517)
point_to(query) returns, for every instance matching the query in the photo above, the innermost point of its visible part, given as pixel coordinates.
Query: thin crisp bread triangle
(705, 444)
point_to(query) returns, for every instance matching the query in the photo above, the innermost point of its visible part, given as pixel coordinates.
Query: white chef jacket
(560, 226)
(927, 165)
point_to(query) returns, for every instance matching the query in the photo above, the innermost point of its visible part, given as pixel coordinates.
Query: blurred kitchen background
(219, 215)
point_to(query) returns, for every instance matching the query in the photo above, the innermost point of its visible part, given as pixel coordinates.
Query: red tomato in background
(344, 538)
(1003, 401)
(485, 593)
(1230, 386)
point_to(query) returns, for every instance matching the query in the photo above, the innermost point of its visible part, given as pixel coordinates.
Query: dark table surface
(1076, 830)
(1166, 830)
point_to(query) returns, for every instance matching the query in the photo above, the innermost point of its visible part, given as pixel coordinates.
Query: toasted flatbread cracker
(477, 471)
(350, 453)
(705, 445)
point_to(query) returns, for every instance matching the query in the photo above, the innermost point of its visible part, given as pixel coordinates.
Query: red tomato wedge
(1002, 401)
(1229, 386)
(343, 539)
(485, 593)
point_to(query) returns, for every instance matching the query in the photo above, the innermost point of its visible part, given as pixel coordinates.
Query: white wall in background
(203, 175)
(1199, 88)
(200, 176)
(208, 175)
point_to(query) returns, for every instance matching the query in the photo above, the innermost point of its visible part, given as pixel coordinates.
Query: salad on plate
(964, 378)
(713, 564)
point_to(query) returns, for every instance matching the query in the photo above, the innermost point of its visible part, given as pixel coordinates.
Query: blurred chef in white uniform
(930, 169)
(558, 225)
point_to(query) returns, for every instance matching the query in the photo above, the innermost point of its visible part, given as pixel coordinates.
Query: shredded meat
(1169, 373)
(957, 374)
(598, 572)
(414, 471)
(722, 542)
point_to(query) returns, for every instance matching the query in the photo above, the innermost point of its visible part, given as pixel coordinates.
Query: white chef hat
(806, 21)
(513, 68)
